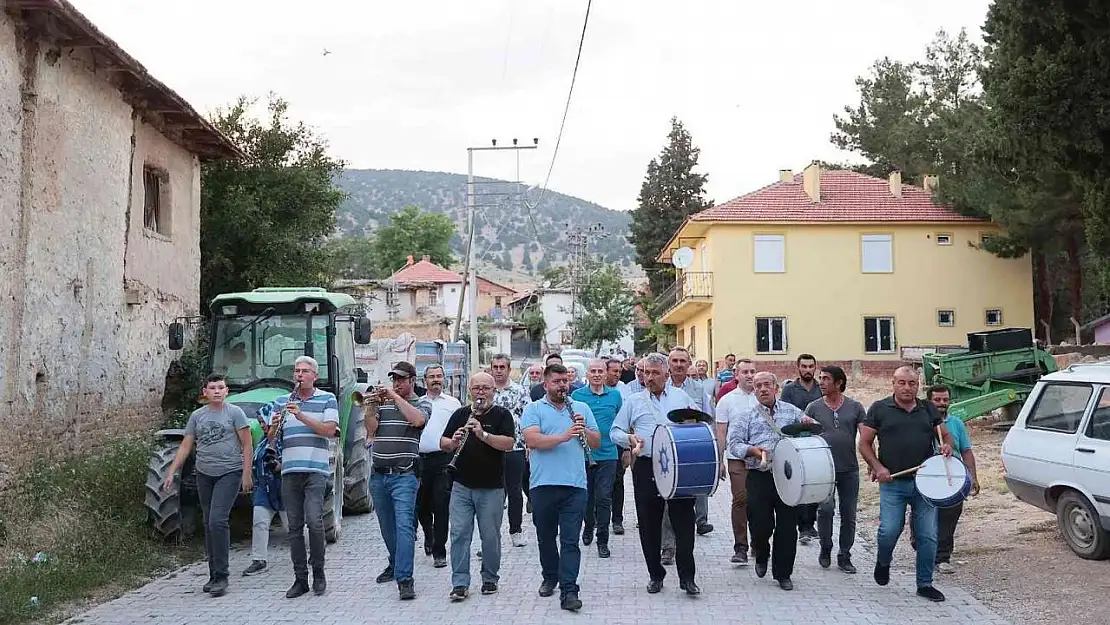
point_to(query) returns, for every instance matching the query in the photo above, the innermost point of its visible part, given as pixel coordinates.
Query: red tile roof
(846, 196)
(426, 271)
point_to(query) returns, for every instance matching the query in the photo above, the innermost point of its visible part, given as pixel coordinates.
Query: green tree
(671, 192)
(353, 257)
(413, 233)
(528, 266)
(605, 312)
(265, 219)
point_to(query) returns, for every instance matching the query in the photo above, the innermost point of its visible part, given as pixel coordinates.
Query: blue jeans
(558, 510)
(893, 498)
(487, 505)
(599, 504)
(394, 498)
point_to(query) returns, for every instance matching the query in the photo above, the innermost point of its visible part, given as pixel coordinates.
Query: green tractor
(255, 338)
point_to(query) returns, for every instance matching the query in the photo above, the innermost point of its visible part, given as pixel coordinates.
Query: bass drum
(685, 460)
(803, 469)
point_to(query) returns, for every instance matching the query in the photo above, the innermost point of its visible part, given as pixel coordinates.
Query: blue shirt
(961, 440)
(643, 412)
(725, 375)
(565, 463)
(605, 407)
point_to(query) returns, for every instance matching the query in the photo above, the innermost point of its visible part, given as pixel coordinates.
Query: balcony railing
(690, 285)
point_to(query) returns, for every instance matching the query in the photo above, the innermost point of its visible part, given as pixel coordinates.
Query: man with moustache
(512, 397)
(734, 405)
(433, 498)
(554, 428)
(839, 417)
(613, 380)
(753, 436)
(478, 489)
(702, 394)
(801, 392)
(906, 428)
(537, 391)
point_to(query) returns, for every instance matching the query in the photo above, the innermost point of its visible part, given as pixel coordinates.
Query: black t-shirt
(479, 465)
(905, 438)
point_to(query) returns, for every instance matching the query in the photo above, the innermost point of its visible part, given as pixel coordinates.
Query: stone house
(100, 193)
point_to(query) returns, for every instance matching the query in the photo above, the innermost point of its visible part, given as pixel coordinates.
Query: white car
(1057, 455)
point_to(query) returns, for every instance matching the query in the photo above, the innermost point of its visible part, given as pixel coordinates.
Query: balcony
(690, 294)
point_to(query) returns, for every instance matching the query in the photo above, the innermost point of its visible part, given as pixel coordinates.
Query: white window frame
(784, 340)
(951, 317)
(875, 242)
(987, 316)
(944, 238)
(893, 339)
(768, 244)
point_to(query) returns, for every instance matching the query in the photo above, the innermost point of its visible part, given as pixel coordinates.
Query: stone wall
(88, 291)
(788, 370)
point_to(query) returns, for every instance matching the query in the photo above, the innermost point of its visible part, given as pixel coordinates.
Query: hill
(506, 239)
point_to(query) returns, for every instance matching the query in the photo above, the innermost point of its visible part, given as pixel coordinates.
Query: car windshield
(246, 353)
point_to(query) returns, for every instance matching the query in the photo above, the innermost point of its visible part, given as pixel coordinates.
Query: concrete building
(100, 189)
(845, 266)
(555, 306)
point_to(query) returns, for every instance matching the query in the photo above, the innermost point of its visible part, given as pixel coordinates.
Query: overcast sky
(409, 85)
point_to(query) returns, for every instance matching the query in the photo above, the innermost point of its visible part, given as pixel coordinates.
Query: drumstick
(905, 471)
(947, 473)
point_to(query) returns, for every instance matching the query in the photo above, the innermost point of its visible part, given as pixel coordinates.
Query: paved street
(612, 590)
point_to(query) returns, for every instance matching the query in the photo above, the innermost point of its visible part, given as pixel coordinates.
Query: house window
(693, 346)
(877, 253)
(944, 239)
(156, 205)
(878, 335)
(946, 318)
(770, 335)
(994, 317)
(566, 336)
(770, 253)
(433, 295)
(985, 239)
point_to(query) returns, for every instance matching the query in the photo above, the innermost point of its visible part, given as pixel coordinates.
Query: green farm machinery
(997, 371)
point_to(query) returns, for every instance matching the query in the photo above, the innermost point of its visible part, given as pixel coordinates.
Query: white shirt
(734, 404)
(443, 407)
(643, 412)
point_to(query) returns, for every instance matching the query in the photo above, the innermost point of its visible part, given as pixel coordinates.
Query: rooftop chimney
(930, 183)
(409, 263)
(811, 180)
(896, 183)
(786, 175)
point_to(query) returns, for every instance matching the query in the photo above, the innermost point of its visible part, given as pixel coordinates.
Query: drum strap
(771, 422)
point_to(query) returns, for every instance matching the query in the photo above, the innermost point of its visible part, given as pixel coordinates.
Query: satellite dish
(547, 284)
(683, 257)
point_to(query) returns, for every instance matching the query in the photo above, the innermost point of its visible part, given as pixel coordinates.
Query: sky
(411, 85)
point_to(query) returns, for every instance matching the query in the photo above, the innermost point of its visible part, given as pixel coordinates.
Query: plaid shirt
(752, 429)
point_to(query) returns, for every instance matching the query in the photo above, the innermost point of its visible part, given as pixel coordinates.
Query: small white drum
(803, 469)
(940, 488)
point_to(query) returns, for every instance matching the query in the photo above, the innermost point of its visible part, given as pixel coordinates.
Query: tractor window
(268, 349)
(1060, 408)
(345, 352)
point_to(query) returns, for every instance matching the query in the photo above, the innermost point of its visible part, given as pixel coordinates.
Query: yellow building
(845, 266)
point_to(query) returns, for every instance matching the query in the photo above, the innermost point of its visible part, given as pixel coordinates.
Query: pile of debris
(1070, 358)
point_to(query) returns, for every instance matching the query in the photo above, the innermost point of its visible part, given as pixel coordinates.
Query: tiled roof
(846, 196)
(426, 271)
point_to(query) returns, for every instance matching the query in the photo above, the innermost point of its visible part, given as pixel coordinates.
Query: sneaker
(319, 583)
(256, 567)
(618, 528)
(704, 529)
(603, 550)
(570, 601)
(518, 539)
(846, 566)
(459, 593)
(407, 590)
(298, 588)
(882, 574)
(439, 562)
(740, 557)
(385, 576)
(489, 588)
(208, 585)
(219, 588)
(930, 593)
(946, 567)
(825, 559)
(668, 557)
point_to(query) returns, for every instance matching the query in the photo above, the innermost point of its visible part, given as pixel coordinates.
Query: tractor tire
(356, 474)
(333, 495)
(172, 514)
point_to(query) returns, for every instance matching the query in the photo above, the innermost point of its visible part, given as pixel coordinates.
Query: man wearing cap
(395, 416)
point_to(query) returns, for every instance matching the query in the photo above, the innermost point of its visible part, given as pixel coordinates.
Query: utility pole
(470, 269)
(578, 241)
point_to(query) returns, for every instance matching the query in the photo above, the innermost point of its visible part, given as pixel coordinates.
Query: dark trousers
(947, 519)
(433, 501)
(847, 493)
(806, 516)
(649, 512)
(618, 490)
(514, 489)
(767, 516)
(599, 505)
(303, 496)
(557, 513)
(217, 496)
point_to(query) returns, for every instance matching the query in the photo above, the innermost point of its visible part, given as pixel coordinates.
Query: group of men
(448, 468)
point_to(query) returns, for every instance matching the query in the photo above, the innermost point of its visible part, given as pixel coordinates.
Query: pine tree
(527, 257)
(671, 191)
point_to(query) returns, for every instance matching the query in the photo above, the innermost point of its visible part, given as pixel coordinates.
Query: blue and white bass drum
(685, 459)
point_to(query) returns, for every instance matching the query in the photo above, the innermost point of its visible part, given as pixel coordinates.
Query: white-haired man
(311, 417)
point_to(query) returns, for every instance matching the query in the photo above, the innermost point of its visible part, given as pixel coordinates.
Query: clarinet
(451, 468)
(586, 446)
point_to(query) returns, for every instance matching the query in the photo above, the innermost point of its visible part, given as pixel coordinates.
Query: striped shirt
(305, 451)
(397, 442)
